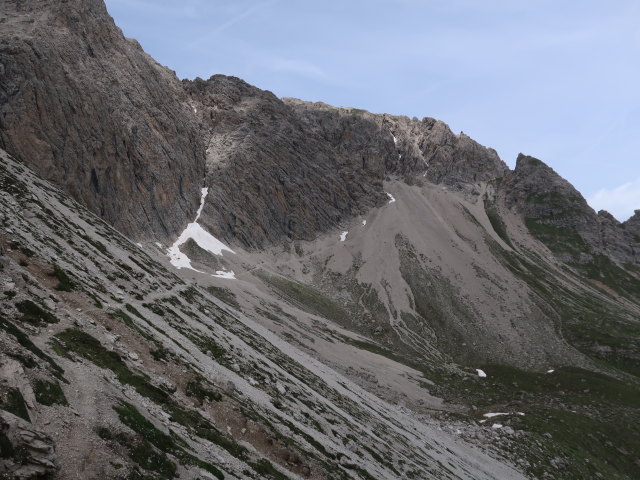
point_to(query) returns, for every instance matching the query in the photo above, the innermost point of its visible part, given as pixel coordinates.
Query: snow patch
(203, 195)
(158, 244)
(391, 198)
(550, 371)
(225, 274)
(195, 232)
(496, 426)
(364, 223)
(481, 373)
(343, 236)
(490, 415)
(395, 140)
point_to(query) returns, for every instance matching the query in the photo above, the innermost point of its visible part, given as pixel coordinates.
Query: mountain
(90, 111)
(202, 280)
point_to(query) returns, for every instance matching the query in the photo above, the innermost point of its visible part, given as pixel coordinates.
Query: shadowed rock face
(271, 174)
(27, 452)
(93, 113)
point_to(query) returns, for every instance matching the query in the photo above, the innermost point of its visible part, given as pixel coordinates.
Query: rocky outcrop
(271, 175)
(25, 452)
(93, 113)
(431, 147)
(632, 230)
(410, 146)
(558, 214)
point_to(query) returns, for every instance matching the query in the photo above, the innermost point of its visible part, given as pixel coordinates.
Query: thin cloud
(231, 22)
(298, 67)
(620, 201)
(187, 9)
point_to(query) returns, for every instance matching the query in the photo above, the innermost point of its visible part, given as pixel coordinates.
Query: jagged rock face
(537, 191)
(632, 229)
(272, 176)
(409, 146)
(616, 240)
(430, 146)
(27, 453)
(559, 215)
(93, 113)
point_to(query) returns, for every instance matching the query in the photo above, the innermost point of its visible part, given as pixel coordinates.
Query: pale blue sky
(555, 79)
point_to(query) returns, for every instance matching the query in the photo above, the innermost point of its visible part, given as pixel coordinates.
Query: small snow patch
(481, 373)
(343, 236)
(364, 223)
(490, 415)
(225, 274)
(391, 198)
(496, 426)
(139, 245)
(550, 371)
(158, 244)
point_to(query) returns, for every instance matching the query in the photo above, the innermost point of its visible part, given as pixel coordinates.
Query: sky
(558, 80)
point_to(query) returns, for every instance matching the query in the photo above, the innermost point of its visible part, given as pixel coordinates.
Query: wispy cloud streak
(231, 22)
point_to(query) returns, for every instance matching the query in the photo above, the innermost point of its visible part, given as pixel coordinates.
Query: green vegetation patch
(559, 239)
(23, 339)
(588, 444)
(65, 284)
(306, 298)
(49, 393)
(587, 419)
(601, 268)
(6, 447)
(131, 417)
(496, 221)
(266, 468)
(197, 388)
(34, 313)
(224, 294)
(13, 402)
(86, 346)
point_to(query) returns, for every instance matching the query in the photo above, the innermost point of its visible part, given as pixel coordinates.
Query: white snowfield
(391, 198)
(204, 239)
(481, 373)
(343, 236)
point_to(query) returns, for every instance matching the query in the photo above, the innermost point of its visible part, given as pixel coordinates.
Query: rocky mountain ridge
(274, 288)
